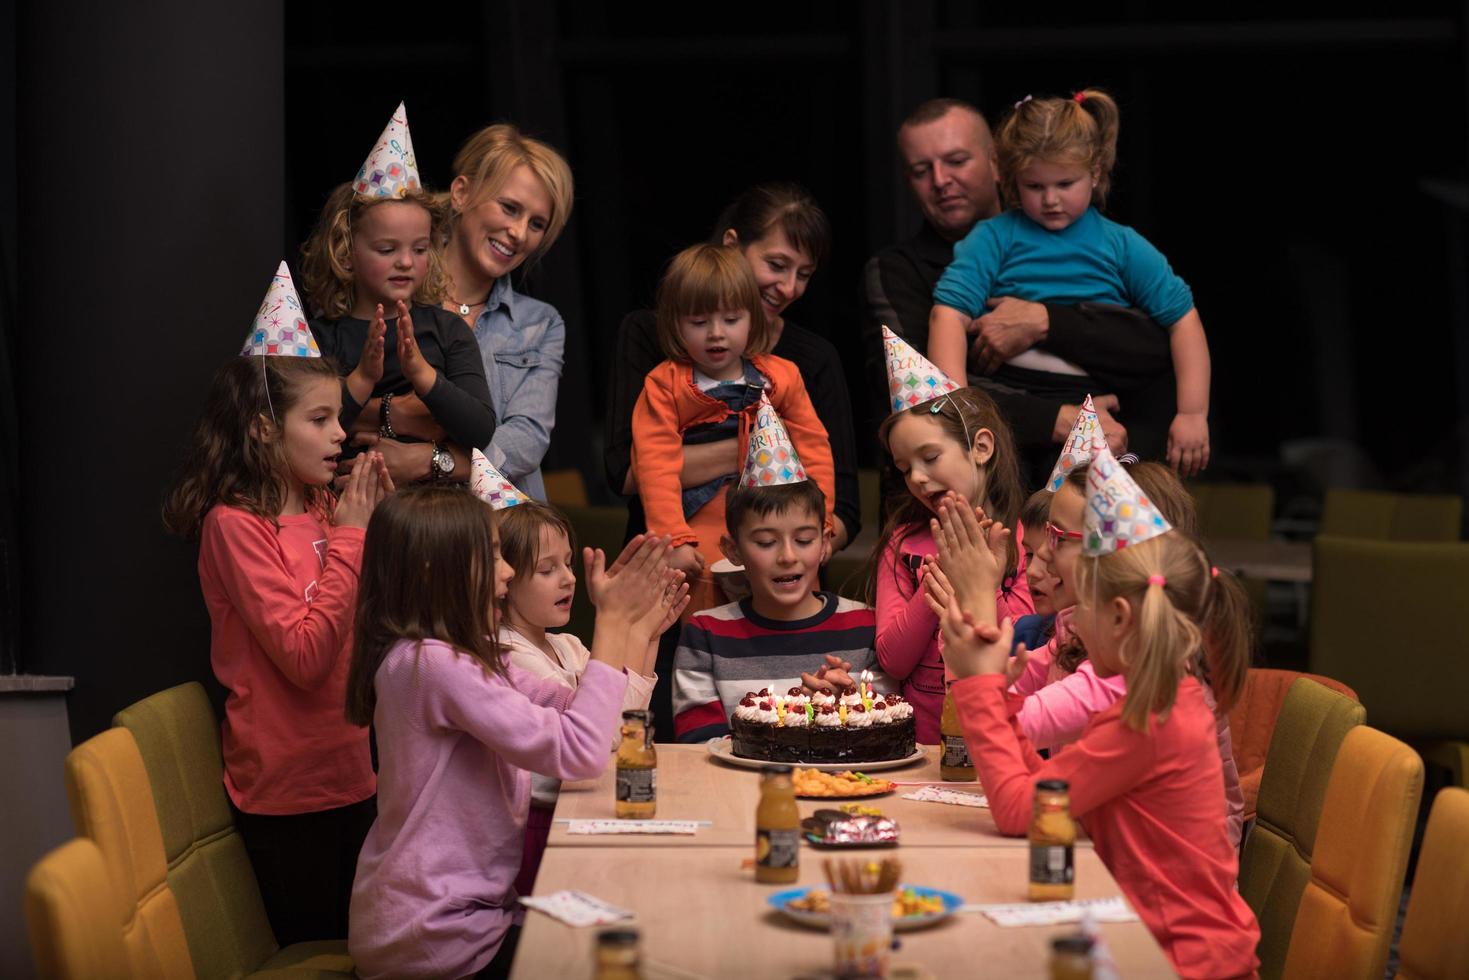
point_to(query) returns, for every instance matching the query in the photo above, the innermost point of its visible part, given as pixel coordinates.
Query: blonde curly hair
(326, 257)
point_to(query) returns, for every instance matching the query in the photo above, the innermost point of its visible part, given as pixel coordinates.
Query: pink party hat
(280, 326)
(390, 170)
(490, 485)
(772, 459)
(1118, 513)
(1081, 444)
(912, 378)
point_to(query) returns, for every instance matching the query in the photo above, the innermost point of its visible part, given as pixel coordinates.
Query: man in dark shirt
(948, 160)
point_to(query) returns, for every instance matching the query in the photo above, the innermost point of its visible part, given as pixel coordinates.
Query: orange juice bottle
(777, 829)
(1052, 836)
(617, 955)
(955, 765)
(637, 768)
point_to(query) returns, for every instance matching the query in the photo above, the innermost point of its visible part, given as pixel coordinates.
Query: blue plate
(781, 900)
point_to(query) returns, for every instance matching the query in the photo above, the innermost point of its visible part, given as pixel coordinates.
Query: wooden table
(701, 915)
(692, 785)
(1272, 561)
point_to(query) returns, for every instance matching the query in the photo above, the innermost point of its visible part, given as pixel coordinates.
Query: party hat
(771, 460)
(390, 170)
(1118, 513)
(912, 378)
(1081, 444)
(280, 326)
(490, 485)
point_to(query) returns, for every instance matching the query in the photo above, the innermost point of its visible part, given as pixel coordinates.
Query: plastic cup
(862, 931)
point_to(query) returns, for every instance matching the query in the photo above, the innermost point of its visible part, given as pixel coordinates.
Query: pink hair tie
(1214, 571)
(1080, 97)
(1022, 102)
(1157, 580)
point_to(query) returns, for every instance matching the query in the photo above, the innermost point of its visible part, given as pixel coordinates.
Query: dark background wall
(168, 157)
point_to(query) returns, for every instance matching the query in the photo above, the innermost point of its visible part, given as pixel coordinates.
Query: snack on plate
(813, 782)
(855, 727)
(907, 903)
(834, 828)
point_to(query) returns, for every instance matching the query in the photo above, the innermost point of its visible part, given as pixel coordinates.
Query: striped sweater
(731, 650)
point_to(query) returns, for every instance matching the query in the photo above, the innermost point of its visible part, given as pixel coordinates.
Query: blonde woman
(510, 198)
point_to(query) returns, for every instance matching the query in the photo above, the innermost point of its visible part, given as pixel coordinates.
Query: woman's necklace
(464, 308)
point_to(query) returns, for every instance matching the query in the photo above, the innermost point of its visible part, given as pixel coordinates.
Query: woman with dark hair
(784, 235)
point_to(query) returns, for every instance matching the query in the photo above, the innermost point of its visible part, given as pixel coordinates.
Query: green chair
(1240, 511)
(209, 872)
(1276, 865)
(1375, 601)
(1392, 516)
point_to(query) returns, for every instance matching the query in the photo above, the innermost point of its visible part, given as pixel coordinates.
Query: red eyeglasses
(1056, 535)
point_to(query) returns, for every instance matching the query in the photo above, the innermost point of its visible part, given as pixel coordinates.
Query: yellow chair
(1374, 604)
(1392, 516)
(565, 488)
(1344, 925)
(209, 872)
(73, 916)
(1434, 944)
(1276, 864)
(1240, 511)
(112, 804)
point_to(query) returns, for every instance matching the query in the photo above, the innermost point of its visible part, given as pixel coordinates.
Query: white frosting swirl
(880, 713)
(822, 698)
(858, 718)
(828, 719)
(795, 717)
(766, 714)
(900, 710)
(746, 712)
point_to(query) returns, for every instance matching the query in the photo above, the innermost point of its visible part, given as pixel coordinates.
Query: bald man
(949, 163)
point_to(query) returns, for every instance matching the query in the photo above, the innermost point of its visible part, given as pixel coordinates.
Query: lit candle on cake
(865, 684)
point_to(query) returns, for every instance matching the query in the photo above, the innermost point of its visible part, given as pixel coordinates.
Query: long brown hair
(520, 534)
(1081, 129)
(326, 257)
(961, 414)
(228, 461)
(428, 573)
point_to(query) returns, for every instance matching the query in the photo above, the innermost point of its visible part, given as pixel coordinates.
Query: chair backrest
(1276, 864)
(1432, 946)
(208, 869)
(1345, 922)
(1392, 516)
(565, 488)
(73, 915)
(1384, 620)
(1241, 511)
(1252, 721)
(112, 804)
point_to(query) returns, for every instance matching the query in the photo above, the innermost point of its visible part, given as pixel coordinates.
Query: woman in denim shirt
(509, 201)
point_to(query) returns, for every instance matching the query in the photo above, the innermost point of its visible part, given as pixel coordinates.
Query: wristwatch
(385, 418)
(441, 464)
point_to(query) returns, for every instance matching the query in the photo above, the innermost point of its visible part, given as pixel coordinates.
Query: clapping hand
(973, 551)
(369, 369)
(367, 485)
(973, 648)
(419, 372)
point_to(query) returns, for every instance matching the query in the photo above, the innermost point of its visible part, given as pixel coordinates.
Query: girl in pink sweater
(460, 730)
(1145, 775)
(957, 442)
(278, 559)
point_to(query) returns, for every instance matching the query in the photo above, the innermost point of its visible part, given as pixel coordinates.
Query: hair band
(1127, 459)
(1157, 580)
(1213, 571)
(1080, 97)
(1022, 102)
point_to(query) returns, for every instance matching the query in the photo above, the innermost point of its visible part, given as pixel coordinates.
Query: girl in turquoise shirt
(1053, 245)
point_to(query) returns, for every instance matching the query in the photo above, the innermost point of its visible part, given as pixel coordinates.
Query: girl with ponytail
(1145, 775)
(1055, 159)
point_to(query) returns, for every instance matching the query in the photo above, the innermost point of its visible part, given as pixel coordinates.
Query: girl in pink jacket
(459, 730)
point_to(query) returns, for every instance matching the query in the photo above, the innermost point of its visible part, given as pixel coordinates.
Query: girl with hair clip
(509, 201)
(1145, 775)
(414, 388)
(713, 330)
(460, 730)
(1061, 687)
(1053, 245)
(955, 443)
(278, 565)
(537, 542)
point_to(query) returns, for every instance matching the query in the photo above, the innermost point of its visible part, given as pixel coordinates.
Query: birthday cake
(851, 728)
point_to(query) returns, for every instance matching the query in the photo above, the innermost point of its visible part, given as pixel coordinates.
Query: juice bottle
(1071, 958)
(1052, 835)
(777, 829)
(637, 768)
(617, 955)
(955, 764)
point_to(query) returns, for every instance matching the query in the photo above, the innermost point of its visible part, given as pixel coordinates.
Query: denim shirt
(523, 342)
